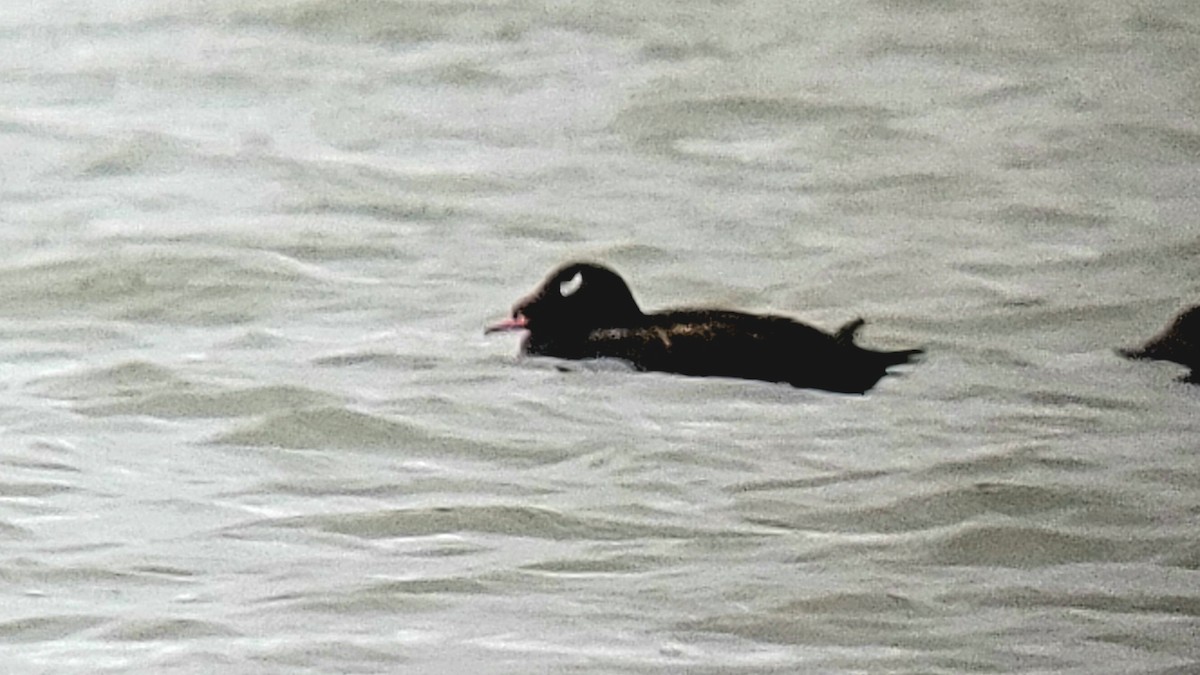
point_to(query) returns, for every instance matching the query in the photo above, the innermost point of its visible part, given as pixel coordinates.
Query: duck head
(1180, 342)
(574, 300)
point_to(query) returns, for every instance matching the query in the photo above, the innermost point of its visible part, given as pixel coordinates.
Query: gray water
(251, 423)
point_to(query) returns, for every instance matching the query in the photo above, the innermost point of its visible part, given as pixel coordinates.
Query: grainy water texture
(249, 421)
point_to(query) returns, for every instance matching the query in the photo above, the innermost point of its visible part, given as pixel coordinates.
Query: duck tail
(845, 335)
(898, 357)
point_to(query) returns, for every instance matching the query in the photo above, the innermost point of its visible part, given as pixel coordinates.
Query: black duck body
(586, 311)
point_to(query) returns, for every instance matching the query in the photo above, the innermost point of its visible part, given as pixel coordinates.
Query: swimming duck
(586, 311)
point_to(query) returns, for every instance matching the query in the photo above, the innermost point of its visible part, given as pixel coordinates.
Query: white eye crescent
(571, 285)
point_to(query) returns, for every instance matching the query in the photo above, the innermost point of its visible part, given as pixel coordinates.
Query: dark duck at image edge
(586, 311)
(1179, 342)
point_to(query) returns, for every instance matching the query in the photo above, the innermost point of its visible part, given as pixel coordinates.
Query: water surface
(251, 424)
